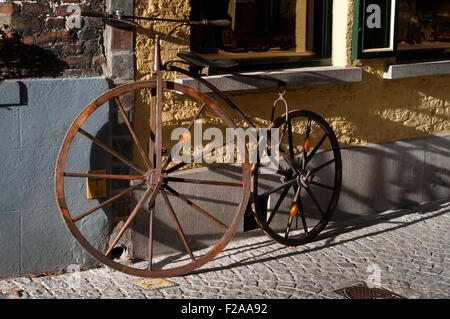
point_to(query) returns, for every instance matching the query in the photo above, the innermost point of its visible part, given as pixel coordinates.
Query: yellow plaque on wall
(96, 187)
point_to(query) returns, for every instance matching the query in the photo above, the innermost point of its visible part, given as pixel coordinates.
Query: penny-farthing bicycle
(191, 213)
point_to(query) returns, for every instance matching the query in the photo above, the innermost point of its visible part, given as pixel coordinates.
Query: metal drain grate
(364, 292)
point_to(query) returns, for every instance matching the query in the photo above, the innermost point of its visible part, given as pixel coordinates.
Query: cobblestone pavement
(408, 249)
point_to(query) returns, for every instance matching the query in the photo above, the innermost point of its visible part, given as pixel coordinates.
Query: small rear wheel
(290, 208)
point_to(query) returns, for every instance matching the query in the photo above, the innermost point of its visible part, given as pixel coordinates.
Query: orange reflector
(185, 137)
(294, 210)
(307, 145)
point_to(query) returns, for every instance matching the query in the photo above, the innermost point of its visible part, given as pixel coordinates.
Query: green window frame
(367, 41)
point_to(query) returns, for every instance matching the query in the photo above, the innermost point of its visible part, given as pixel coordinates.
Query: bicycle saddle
(198, 61)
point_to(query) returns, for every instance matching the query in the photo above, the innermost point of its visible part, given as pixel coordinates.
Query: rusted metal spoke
(200, 110)
(316, 148)
(177, 224)
(107, 176)
(203, 212)
(318, 168)
(112, 199)
(322, 185)
(169, 158)
(150, 238)
(133, 214)
(133, 134)
(277, 205)
(202, 181)
(314, 199)
(111, 151)
(206, 152)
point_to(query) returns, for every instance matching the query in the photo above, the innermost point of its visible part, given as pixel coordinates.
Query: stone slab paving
(405, 251)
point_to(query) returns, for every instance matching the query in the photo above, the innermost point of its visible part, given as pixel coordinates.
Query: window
(406, 29)
(423, 29)
(264, 33)
(374, 24)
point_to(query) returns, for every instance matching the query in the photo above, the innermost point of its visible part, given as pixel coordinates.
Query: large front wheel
(177, 220)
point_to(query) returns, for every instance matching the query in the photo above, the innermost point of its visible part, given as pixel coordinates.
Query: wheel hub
(305, 180)
(153, 178)
(300, 179)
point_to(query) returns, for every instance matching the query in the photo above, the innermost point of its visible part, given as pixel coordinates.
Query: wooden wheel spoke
(112, 199)
(177, 224)
(282, 171)
(134, 213)
(111, 151)
(133, 134)
(288, 227)
(202, 181)
(322, 185)
(314, 199)
(197, 208)
(276, 189)
(302, 215)
(290, 161)
(276, 163)
(294, 201)
(278, 204)
(305, 153)
(316, 148)
(318, 168)
(291, 144)
(107, 176)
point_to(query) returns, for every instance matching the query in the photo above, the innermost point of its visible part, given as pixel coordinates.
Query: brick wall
(37, 41)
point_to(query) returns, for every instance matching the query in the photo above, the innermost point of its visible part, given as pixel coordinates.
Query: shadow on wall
(394, 175)
(19, 60)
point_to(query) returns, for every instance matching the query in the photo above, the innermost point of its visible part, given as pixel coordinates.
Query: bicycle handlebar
(217, 23)
(94, 14)
(106, 15)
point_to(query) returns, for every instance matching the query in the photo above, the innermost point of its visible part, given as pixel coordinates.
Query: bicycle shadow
(330, 236)
(20, 60)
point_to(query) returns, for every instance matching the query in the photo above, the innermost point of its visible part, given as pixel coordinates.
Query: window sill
(401, 71)
(293, 77)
